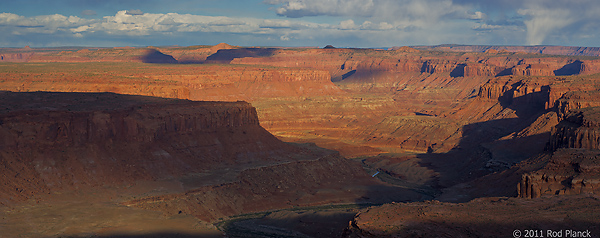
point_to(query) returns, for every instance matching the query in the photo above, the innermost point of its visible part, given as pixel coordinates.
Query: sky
(341, 23)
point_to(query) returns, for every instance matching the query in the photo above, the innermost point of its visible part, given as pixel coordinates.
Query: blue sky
(342, 23)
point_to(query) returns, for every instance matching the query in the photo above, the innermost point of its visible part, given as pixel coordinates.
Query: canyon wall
(574, 166)
(569, 171)
(342, 62)
(577, 99)
(54, 141)
(567, 163)
(527, 95)
(461, 87)
(579, 129)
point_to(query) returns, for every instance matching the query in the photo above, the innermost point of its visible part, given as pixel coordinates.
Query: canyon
(208, 133)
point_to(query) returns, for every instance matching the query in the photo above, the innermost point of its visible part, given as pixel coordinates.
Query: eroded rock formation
(577, 99)
(579, 129)
(574, 165)
(569, 171)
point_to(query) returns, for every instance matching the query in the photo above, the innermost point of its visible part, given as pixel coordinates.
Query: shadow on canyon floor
(491, 146)
(509, 228)
(573, 68)
(527, 105)
(485, 148)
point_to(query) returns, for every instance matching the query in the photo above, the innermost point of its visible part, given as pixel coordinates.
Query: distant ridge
(550, 50)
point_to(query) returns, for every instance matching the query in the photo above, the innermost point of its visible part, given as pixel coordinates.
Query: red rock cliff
(54, 141)
(569, 171)
(580, 129)
(577, 99)
(574, 166)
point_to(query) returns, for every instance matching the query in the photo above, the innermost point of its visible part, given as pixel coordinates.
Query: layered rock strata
(580, 129)
(575, 164)
(569, 171)
(54, 141)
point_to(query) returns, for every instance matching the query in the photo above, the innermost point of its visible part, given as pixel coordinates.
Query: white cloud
(124, 23)
(41, 24)
(9, 18)
(394, 15)
(357, 23)
(347, 25)
(80, 29)
(558, 19)
(544, 21)
(369, 33)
